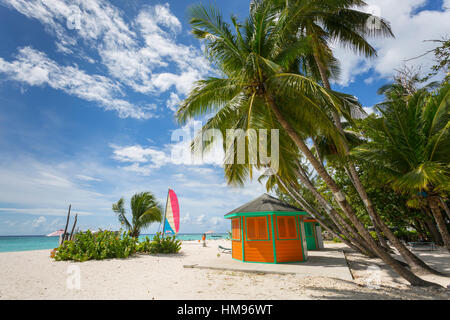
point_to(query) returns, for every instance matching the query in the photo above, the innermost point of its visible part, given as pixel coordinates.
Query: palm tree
(322, 21)
(261, 87)
(145, 210)
(411, 143)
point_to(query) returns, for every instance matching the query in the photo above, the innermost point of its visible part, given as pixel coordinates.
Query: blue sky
(87, 98)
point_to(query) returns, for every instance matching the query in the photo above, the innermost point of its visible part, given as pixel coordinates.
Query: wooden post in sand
(67, 224)
(73, 228)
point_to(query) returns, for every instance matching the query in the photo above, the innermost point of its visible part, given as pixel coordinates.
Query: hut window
(287, 228)
(257, 228)
(236, 229)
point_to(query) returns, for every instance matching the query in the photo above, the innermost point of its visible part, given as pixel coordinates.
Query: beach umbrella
(56, 233)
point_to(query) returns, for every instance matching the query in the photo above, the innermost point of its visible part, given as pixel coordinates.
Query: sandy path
(33, 275)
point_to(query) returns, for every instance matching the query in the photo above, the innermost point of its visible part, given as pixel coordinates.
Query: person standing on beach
(204, 239)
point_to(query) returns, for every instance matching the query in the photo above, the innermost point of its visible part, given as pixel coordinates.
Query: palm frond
(119, 209)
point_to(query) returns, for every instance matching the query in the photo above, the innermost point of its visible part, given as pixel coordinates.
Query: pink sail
(172, 221)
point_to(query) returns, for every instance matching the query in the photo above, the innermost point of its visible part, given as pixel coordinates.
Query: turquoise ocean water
(26, 243)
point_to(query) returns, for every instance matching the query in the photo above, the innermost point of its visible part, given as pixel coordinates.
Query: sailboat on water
(171, 221)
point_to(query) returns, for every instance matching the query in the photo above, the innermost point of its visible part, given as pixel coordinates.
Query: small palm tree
(145, 210)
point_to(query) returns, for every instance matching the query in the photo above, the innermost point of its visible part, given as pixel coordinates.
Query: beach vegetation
(145, 210)
(112, 244)
(96, 246)
(409, 145)
(160, 244)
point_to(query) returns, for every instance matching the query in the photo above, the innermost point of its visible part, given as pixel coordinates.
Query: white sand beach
(34, 275)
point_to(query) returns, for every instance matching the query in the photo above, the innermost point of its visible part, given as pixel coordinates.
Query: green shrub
(144, 246)
(336, 239)
(108, 244)
(96, 246)
(165, 244)
(407, 235)
(374, 235)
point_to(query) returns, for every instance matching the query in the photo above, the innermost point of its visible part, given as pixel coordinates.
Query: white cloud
(39, 221)
(216, 220)
(91, 20)
(142, 54)
(30, 187)
(137, 153)
(369, 110)
(43, 211)
(144, 159)
(173, 101)
(43, 224)
(144, 170)
(86, 178)
(369, 80)
(180, 176)
(36, 69)
(153, 18)
(186, 218)
(200, 219)
(410, 31)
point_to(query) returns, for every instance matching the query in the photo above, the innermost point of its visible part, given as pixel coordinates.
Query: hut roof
(265, 203)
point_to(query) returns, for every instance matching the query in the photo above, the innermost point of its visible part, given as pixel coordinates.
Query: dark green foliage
(337, 240)
(97, 246)
(109, 244)
(164, 244)
(407, 235)
(374, 235)
(409, 144)
(144, 246)
(441, 58)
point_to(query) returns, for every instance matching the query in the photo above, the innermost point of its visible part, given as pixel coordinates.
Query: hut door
(310, 235)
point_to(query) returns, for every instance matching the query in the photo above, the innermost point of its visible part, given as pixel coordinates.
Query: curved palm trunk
(342, 201)
(433, 202)
(413, 261)
(375, 225)
(434, 232)
(349, 240)
(347, 229)
(352, 242)
(444, 205)
(351, 171)
(419, 226)
(431, 226)
(317, 149)
(316, 215)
